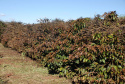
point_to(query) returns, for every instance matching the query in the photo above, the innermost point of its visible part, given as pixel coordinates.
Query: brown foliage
(75, 48)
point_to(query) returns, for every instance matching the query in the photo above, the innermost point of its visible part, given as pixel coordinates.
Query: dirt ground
(18, 69)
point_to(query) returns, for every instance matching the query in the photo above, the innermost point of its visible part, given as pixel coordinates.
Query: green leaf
(106, 76)
(60, 69)
(99, 35)
(110, 36)
(119, 66)
(81, 59)
(115, 67)
(77, 61)
(103, 69)
(85, 60)
(83, 71)
(108, 68)
(23, 54)
(103, 60)
(89, 61)
(58, 47)
(92, 44)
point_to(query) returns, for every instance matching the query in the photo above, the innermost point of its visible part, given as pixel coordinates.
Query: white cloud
(2, 14)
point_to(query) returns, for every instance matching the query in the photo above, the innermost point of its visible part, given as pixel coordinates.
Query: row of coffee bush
(85, 50)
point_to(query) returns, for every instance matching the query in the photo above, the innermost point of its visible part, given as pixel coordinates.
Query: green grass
(25, 70)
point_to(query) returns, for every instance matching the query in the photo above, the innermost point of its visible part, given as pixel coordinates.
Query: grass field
(17, 69)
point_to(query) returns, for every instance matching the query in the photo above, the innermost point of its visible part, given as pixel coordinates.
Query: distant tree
(45, 20)
(57, 20)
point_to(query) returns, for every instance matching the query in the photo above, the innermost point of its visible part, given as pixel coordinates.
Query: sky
(29, 11)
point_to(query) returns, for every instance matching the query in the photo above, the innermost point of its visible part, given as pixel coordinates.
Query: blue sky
(28, 11)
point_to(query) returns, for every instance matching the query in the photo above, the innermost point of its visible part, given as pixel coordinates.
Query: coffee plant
(87, 51)
(2, 26)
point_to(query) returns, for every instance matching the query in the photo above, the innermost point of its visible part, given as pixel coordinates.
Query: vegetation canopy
(87, 51)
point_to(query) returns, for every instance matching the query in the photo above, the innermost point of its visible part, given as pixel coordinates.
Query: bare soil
(18, 69)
